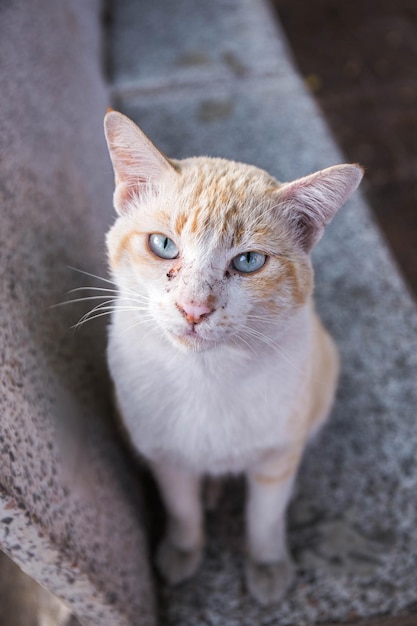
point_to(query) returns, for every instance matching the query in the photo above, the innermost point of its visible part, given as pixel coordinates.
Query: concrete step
(217, 78)
(69, 510)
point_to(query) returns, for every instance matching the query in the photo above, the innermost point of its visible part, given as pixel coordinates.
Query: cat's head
(217, 250)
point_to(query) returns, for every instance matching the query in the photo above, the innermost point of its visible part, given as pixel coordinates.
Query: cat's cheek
(282, 286)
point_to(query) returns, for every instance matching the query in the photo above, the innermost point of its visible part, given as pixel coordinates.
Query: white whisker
(106, 280)
(110, 307)
(139, 322)
(110, 299)
(72, 301)
(95, 289)
(272, 344)
(83, 321)
(115, 299)
(239, 336)
(90, 315)
(102, 311)
(131, 294)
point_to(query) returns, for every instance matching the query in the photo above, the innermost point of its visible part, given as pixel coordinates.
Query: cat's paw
(175, 564)
(268, 582)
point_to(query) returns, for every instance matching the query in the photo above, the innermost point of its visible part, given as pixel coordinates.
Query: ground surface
(213, 78)
(359, 60)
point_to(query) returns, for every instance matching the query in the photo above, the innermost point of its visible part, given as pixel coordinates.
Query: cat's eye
(249, 262)
(163, 246)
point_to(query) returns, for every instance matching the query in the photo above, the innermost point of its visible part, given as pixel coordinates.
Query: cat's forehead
(215, 180)
(222, 200)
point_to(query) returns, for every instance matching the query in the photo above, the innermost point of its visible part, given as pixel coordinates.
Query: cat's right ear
(137, 163)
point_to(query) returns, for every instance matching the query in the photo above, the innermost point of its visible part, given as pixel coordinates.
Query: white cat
(219, 361)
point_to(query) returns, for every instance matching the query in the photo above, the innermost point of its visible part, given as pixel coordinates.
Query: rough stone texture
(353, 521)
(69, 515)
(178, 41)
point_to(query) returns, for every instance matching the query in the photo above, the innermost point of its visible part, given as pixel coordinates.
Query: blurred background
(359, 59)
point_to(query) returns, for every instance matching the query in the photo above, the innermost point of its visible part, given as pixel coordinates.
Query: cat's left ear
(137, 163)
(311, 202)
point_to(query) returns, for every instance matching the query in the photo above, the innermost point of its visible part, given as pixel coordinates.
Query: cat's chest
(211, 410)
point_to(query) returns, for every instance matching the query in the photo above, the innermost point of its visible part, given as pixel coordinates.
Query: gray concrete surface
(70, 515)
(217, 78)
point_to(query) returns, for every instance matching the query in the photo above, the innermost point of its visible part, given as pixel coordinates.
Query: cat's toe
(268, 582)
(175, 564)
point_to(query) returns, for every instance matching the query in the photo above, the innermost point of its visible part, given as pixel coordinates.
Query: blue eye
(249, 262)
(163, 246)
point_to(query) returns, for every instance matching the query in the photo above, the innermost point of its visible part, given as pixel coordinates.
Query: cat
(219, 361)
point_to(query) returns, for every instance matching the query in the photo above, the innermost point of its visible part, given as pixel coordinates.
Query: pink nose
(194, 312)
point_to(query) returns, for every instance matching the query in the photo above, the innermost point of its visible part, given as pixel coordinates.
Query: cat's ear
(311, 202)
(137, 163)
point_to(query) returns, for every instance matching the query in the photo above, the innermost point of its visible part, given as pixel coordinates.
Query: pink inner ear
(123, 194)
(136, 161)
(311, 202)
(306, 212)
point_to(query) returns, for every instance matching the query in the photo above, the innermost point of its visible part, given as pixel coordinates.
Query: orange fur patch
(198, 190)
(211, 300)
(263, 479)
(180, 223)
(276, 467)
(239, 231)
(299, 280)
(194, 224)
(123, 247)
(223, 195)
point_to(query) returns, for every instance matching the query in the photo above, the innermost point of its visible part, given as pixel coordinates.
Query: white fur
(213, 411)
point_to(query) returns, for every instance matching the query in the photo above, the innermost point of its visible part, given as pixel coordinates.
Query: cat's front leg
(180, 551)
(270, 570)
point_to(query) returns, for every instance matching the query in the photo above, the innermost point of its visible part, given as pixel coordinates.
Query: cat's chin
(190, 342)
